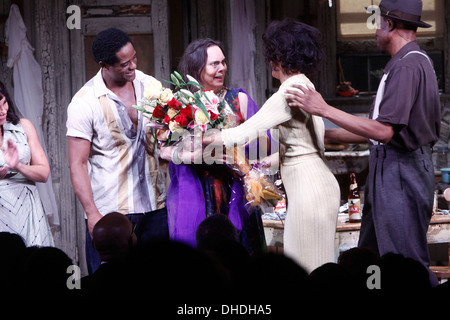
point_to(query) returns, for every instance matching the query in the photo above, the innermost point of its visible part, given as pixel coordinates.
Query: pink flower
(200, 119)
(162, 134)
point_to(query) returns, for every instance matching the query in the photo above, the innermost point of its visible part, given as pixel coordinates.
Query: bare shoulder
(243, 98)
(28, 127)
(243, 102)
(26, 124)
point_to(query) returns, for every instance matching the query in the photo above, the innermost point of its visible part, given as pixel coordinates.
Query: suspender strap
(380, 92)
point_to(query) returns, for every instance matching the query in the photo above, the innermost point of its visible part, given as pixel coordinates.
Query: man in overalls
(404, 124)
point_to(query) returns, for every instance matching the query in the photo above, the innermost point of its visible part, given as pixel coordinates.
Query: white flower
(187, 93)
(162, 134)
(172, 113)
(210, 98)
(200, 119)
(175, 127)
(166, 96)
(192, 79)
(153, 90)
(149, 108)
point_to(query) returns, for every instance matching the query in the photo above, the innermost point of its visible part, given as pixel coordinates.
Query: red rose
(212, 115)
(187, 112)
(182, 120)
(158, 113)
(174, 104)
(166, 119)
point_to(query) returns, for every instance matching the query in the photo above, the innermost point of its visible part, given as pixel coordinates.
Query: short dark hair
(402, 25)
(12, 115)
(107, 43)
(215, 229)
(195, 57)
(296, 45)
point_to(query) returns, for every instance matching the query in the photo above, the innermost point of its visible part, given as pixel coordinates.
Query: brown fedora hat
(405, 11)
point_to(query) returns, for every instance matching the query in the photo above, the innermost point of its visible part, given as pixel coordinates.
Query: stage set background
(161, 29)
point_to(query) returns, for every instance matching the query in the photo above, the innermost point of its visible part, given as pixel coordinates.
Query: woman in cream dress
(313, 197)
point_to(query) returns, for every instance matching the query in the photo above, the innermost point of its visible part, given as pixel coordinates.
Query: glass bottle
(354, 201)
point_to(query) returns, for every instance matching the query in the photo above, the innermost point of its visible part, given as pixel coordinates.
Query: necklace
(221, 92)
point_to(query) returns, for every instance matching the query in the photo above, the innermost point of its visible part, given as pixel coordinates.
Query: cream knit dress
(312, 191)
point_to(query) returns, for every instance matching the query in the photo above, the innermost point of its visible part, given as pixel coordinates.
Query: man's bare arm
(79, 150)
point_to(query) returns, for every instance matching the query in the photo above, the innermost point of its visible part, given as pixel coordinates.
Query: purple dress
(198, 190)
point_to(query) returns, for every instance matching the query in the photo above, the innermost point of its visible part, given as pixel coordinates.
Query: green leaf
(178, 75)
(139, 108)
(196, 84)
(174, 79)
(173, 83)
(206, 97)
(202, 107)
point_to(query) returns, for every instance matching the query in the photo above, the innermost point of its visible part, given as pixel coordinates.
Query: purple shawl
(186, 207)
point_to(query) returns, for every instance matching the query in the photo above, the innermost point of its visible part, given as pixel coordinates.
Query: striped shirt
(123, 164)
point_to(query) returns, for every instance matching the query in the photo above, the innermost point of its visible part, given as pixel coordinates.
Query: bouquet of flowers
(173, 114)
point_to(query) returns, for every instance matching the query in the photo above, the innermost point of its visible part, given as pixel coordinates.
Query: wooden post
(326, 20)
(447, 47)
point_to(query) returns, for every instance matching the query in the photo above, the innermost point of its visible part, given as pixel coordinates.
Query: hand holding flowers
(185, 116)
(172, 114)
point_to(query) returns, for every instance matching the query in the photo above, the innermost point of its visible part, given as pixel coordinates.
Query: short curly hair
(107, 43)
(297, 46)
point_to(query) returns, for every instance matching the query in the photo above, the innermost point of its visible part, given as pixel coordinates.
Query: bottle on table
(354, 201)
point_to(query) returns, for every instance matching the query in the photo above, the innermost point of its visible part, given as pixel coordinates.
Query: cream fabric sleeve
(274, 112)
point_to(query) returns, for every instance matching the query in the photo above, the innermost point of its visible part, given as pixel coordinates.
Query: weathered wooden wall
(50, 38)
(61, 54)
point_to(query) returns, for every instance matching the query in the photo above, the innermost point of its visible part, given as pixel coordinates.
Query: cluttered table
(355, 158)
(347, 234)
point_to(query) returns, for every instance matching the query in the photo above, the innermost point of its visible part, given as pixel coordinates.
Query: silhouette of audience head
(173, 270)
(10, 245)
(271, 274)
(222, 270)
(45, 272)
(403, 277)
(113, 236)
(332, 281)
(356, 261)
(213, 230)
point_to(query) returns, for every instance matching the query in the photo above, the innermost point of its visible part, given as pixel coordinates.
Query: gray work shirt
(410, 102)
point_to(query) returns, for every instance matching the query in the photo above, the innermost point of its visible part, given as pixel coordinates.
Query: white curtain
(28, 94)
(243, 23)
